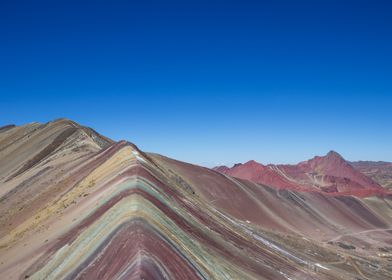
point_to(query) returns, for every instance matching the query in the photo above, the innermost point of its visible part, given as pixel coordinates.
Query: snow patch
(140, 159)
(321, 266)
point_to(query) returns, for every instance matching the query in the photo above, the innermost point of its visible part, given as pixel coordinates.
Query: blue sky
(208, 82)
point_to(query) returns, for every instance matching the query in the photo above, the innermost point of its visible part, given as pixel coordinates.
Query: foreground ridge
(77, 205)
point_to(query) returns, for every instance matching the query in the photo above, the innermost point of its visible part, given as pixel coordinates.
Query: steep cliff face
(76, 205)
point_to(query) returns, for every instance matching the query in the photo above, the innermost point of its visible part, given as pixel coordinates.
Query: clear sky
(208, 82)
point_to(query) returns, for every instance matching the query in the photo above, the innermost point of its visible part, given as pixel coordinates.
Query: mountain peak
(331, 159)
(252, 163)
(333, 154)
(221, 168)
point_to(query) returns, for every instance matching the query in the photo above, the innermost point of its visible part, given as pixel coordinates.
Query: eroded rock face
(77, 205)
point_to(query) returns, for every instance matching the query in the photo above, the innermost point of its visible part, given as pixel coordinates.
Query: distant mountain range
(378, 171)
(75, 204)
(330, 174)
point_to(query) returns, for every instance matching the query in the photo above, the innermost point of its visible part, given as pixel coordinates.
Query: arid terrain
(379, 171)
(77, 205)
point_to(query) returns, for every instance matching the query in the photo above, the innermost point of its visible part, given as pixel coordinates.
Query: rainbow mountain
(77, 205)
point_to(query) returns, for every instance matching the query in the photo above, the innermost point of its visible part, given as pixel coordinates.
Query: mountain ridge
(80, 210)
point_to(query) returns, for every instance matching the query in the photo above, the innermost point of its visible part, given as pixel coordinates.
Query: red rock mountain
(330, 174)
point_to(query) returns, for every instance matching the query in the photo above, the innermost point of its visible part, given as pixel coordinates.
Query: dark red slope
(328, 174)
(334, 164)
